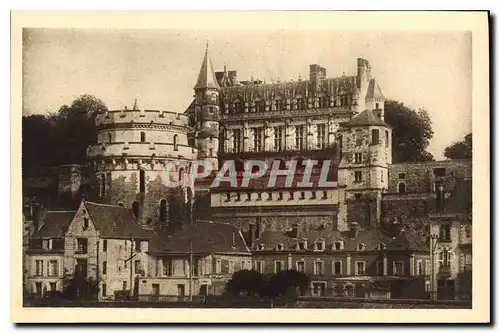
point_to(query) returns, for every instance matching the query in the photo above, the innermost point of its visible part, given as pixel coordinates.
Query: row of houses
(105, 244)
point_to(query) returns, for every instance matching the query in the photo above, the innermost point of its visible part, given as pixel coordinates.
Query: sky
(432, 70)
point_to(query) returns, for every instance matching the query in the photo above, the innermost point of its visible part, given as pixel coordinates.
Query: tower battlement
(146, 117)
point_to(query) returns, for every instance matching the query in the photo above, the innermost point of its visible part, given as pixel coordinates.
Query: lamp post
(434, 242)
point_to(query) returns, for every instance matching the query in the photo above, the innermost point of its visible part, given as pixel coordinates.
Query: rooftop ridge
(105, 205)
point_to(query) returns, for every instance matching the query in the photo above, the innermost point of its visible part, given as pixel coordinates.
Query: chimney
(364, 70)
(316, 74)
(353, 230)
(251, 233)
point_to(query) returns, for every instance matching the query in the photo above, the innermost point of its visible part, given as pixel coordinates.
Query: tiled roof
(366, 118)
(54, 224)
(116, 221)
(204, 237)
(370, 238)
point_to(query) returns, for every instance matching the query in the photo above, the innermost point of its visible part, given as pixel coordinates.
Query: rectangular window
(380, 268)
(259, 196)
(386, 139)
(359, 137)
(137, 246)
(53, 286)
(142, 181)
(81, 245)
(338, 246)
(231, 267)
(321, 136)
(124, 285)
(325, 195)
(360, 268)
(259, 266)
(238, 196)
(402, 175)
(167, 267)
(291, 196)
(53, 268)
(269, 196)
(280, 195)
(420, 267)
(237, 140)
(278, 138)
(258, 139)
(318, 268)
(445, 232)
(337, 267)
(104, 287)
(357, 158)
(299, 137)
(398, 268)
(104, 267)
(85, 223)
(358, 176)
(39, 267)
(278, 266)
(137, 267)
(218, 266)
(375, 137)
(301, 266)
(439, 172)
(104, 245)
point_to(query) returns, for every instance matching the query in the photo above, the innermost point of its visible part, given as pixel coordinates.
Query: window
(357, 158)
(420, 268)
(262, 246)
(278, 138)
(337, 267)
(278, 266)
(142, 181)
(381, 247)
(360, 268)
(444, 232)
(402, 188)
(439, 172)
(269, 196)
(300, 104)
(104, 267)
(163, 212)
(375, 137)
(259, 266)
(259, 196)
(313, 195)
(376, 106)
(361, 247)
(143, 137)
(380, 268)
(325, 195)
(103, 185)
(258, 138)
(302, 246)
(168, 268)
(291, 196)
(137, 246)
(53, 268)
(109, 137)
(338, 245)
(444, 258)
(249, 196)
(81, 245)
(386, 139)
(124, 285)
(357, 196)
(319, 246)
(280, 195)
(135, 209)
(237, 140)
(39, 267)
(231, 267)
(104, 287)
(176, 143)
(468, 231)
(238, 196)
(358, 177)
(318, 268)
(137, 267)
(321, 136)
(301, 266)
(398, 268)
(53, 286)
(402, 175)
(218, 266)
(280, 247)
(104, 245)
(299, 137)
(85, 223)
(359, 137)
(382, 176)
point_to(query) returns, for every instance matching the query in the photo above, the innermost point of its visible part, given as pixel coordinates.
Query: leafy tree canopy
(411, 132)
(460, 150)
(61, 137)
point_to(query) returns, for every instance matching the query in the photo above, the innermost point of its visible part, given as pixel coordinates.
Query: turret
(207, 112)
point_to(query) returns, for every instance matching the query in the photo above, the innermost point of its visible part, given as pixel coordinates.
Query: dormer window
(262, 246)
(85, 223)
(280, 247)
(338, 246)
(302, 245)
(361, 247)
(319, 246)
(381, 247)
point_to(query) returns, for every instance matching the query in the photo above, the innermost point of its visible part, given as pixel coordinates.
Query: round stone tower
(132, 164)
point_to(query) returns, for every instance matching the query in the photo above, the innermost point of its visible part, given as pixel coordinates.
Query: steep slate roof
(366, 118)
(370, 238)
(116, 221)
(205, 237)
(374, 90)
(54, 224)
(206, 78)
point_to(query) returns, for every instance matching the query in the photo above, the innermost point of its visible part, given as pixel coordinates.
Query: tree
(61, 137)
(411, 132)
(460, 150)
(245, 281)
(287, 282)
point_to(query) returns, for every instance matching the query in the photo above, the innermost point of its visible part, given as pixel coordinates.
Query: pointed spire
(136, 106)
(206, 78)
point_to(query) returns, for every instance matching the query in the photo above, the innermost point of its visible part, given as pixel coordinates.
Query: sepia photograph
(264, 168)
